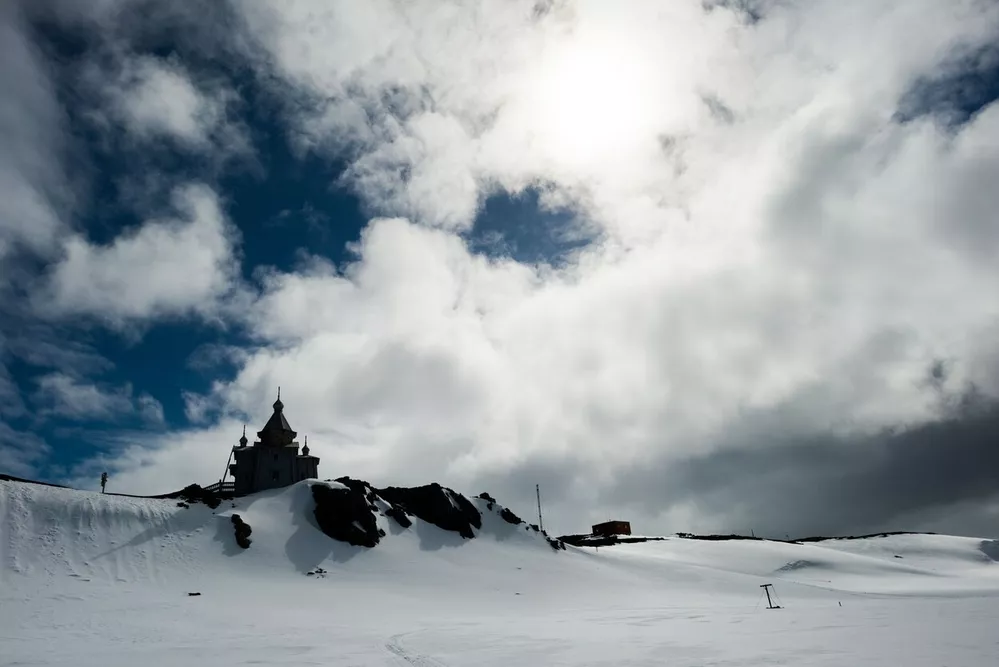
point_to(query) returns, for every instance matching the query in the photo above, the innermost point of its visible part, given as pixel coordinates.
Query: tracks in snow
(395, 647)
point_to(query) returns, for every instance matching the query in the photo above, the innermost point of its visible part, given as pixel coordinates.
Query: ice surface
(88, 579)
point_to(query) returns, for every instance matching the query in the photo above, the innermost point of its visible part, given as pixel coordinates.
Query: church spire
(277, 431)
(243, 440)
(305, 449)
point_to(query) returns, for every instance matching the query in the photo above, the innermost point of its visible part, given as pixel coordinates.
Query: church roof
(277, 431)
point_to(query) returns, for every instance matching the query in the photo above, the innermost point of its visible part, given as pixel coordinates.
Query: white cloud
(150, 410)
(156, 98)
(21, 452)
(165, 267)
(11, 404)
(199, 409)
(65, 396)
(69, 397)
(195, 456)
(33, 189)
(781, 258)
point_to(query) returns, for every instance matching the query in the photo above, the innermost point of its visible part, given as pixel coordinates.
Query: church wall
(306, 467)
(245, 470)
(275, 467)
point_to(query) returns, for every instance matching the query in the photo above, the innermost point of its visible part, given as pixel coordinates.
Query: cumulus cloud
(11, 403)
(33, 188)
(172, 266)
(777, 479)
(194, 455)
(20, 451)
(156, 99)
(68, 397)
(149, 409)
(775, 241)
(781, 258)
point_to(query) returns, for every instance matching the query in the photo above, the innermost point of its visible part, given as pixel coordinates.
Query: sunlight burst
(592, 100)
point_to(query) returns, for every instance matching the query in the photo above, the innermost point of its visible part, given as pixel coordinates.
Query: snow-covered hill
(104, 580)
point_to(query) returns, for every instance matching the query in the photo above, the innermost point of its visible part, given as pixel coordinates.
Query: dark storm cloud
(515, 486)
(829, 484)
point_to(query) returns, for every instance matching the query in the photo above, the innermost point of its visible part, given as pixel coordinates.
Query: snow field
(87, 579)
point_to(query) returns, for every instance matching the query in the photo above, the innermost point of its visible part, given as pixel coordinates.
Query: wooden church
(274, 460)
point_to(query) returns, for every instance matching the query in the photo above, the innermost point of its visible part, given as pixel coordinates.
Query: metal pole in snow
(770, 604)
(541, 521)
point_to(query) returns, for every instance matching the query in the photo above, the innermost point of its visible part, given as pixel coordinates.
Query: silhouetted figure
(104, 481)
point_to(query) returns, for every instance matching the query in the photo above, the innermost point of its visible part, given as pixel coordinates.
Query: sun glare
(592, 100)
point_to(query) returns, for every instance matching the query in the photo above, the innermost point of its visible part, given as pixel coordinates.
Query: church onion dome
(243, 440)
(305, 449)
(277, 431)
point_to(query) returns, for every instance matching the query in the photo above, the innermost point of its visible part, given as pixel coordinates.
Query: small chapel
(274, 459)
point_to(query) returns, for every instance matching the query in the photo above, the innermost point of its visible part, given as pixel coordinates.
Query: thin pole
(226, 468)
(541, 521)
(766, 587)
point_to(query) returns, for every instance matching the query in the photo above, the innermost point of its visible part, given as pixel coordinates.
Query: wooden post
(226, 468)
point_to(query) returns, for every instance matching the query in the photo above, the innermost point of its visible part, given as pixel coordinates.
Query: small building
(609, 528)
(274, 460)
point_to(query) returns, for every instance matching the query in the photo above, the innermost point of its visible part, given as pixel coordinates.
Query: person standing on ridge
(104, 481)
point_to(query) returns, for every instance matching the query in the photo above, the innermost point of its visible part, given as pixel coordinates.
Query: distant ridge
(610, 540)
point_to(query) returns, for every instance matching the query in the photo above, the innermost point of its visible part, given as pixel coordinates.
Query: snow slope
(87, 579)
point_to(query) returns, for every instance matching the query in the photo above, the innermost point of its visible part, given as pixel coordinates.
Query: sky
(704, 265)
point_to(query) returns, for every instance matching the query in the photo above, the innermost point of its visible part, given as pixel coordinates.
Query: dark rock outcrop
(243, 531)
(721, 538)
(361, 487)
(194, 493)
(346, 514)
(857, 537)
(358, 486)
(399, 516)
(604, 540)
(510, 517)
(438, 505)
(348, 511)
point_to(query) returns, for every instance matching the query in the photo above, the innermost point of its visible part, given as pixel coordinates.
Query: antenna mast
(541, 521)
